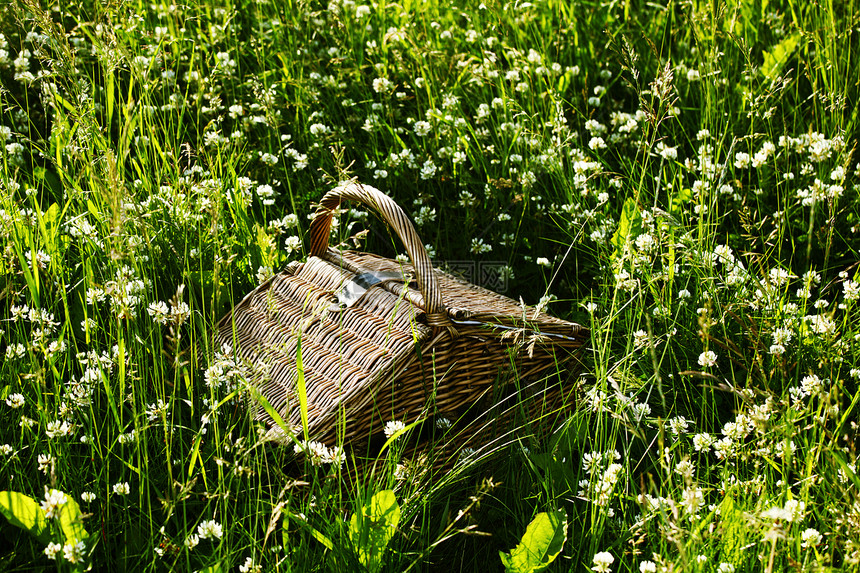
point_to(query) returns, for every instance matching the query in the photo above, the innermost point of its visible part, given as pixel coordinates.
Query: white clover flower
(16, 350)
(392, 427)
(57, 429)
(236, 110)
(724, 448)
(292, 243)
(645, 243)
(46, 462)
(782, 335)
(192, 541)
(121, 488)
(159, 312)
(479, 247)
(647, 567)
(210, 528)
(692, 500)
(421, 128)
(724, 255)
(54, 500)
(678, 425)
(382, 85)
(319, 453)
(810, 538)
(742, 160)
(792, 511)
(88, 496)
(264, 273)
(596, 143)
(425, 215)
(667, 153)
(640, 410)
(822, 324)
(707, 358)
(128, 438)
(602, 562)
(838, 174)
(52, 549)
(266, 194)
(725, 568)
(250, 567)
(777, 513)
(796, 508)
(15, 400)
(685, 468)
(594, 127)
(74, 552)
(319, 129)
(428, 169)
(811, 385)
(851, 290)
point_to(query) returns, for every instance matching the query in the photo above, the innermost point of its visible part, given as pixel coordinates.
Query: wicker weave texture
(384, 356)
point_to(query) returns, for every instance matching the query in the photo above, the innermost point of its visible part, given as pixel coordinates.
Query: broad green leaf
(542, 542)
(70, 522)
(22, 511)
(628, 225)
(777, 57)
(733, 525)
(683, 196)
(371, 528)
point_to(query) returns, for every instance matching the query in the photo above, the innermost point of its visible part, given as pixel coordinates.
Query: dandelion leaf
(542, 542)
(371, 528)
(22, 511)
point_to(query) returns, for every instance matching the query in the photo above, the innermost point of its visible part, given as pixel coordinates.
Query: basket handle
(396, 218)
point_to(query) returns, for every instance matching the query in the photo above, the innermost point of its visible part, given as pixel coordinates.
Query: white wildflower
(210, 528)
(602, 562)
(392, 427)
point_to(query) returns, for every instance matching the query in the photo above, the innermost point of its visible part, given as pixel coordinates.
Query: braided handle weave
(394, 216)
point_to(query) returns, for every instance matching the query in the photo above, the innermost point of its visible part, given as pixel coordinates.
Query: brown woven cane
(392, 353)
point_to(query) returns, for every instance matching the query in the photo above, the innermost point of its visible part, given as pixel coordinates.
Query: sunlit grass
(679, 178)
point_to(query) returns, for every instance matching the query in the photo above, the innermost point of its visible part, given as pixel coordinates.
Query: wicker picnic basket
(382, 340)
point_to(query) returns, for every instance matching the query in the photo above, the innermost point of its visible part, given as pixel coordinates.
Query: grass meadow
(679, 176)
